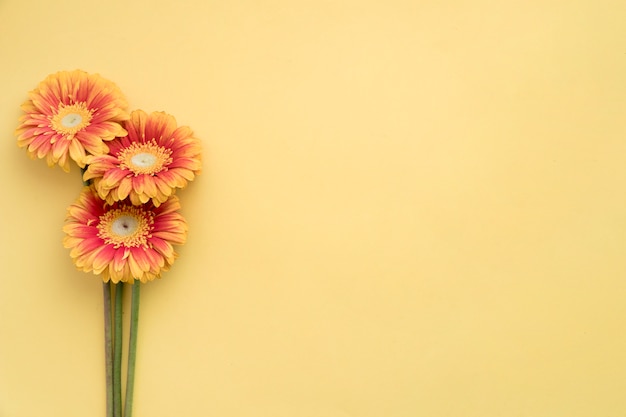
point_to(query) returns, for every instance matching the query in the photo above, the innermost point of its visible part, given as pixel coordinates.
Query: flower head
(70, 114)
(150, 163)
(123, 242)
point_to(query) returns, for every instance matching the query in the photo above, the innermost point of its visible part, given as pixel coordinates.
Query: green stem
(117, 351)
(108, 346)
(132, 349)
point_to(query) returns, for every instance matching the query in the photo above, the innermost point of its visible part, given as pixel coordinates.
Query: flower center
(126, 226)
(71, 118)
(145, 158)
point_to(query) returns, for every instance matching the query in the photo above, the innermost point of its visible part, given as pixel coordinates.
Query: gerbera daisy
(70, 114)
(150, 163)
(123, 242)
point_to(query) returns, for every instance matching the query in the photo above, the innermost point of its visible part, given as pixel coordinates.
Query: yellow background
(407, 208)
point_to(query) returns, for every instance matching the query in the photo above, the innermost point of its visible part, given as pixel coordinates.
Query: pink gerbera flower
(150, 163)
(70, 114)
(123, 242)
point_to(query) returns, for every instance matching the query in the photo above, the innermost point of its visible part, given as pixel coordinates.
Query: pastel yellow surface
(408, 208)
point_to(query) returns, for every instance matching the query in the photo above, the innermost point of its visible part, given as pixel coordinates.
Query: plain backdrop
(407, 208)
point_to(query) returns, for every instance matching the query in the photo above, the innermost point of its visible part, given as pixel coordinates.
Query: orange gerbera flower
(150, 163)
(70, 114)
(123, 242)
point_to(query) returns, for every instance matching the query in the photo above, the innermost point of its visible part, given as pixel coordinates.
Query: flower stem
(108, 346)
(132, 349)
(117, 351)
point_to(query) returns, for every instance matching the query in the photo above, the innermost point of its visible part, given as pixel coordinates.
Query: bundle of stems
(113, 320)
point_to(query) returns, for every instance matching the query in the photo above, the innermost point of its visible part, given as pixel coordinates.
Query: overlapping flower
(121, 241)
(70, 115)
(126, 220)
(150, 163)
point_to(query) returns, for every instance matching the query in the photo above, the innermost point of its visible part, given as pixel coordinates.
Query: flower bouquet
(125, 222)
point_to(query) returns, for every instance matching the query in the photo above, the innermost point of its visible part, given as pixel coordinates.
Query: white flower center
(71, 120)
(143, 160)
(146, 158)
(124, 225)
